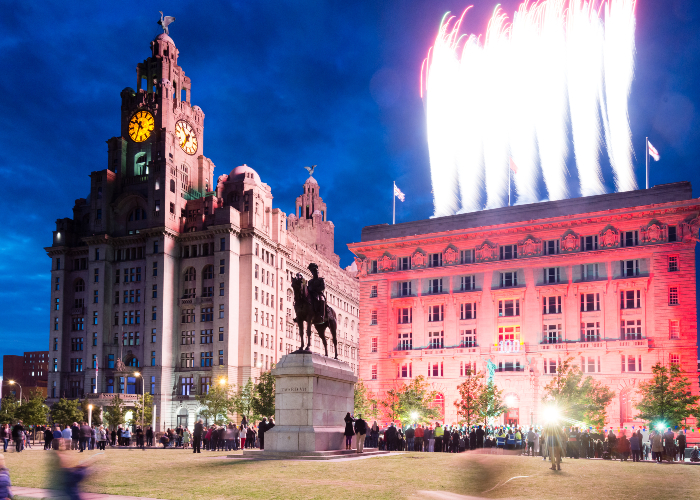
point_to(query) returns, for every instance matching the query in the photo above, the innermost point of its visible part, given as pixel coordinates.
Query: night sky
(283, 84)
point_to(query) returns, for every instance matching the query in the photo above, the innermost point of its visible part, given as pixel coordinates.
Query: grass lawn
(177, 474)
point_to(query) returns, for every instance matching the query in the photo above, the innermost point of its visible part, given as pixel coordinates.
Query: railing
(136, 179)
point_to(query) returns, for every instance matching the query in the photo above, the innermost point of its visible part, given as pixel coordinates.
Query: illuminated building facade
(607, 280)
(164, 271)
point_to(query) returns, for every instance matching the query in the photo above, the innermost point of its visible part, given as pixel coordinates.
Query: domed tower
(310, 220)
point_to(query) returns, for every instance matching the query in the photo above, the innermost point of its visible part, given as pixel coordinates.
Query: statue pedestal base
(312, 396)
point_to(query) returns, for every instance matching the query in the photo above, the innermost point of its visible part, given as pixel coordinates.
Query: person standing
(149, 436)
(410, 438)
(197, 435)
(18, 436)
(349, 431)
(439, 433)
(555, 438)
(657, 448)
(262, 427)
(360, 431)
(5, 435)
(243, 434)
(430, 439)
(84, 437)
(669, 444)
(531, 436)
(635, 447)
(681, 444)
(419, 434)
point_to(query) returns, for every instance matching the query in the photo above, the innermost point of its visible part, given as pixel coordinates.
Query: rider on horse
(316, 287)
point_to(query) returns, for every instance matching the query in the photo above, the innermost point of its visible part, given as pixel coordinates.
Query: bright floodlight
(660, 426)
(137, 374)
(222, 380)
(90, 406)
(11, 382)
(551, 414)
(414, 415)
(510, 401)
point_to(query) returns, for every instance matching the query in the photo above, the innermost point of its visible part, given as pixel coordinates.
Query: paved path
(19, 491)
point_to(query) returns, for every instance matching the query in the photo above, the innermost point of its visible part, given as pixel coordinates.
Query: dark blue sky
(283, 84)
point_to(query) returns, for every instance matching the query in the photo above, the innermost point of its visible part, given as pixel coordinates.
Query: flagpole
(393, 198)
(509, 185)
(647, 155)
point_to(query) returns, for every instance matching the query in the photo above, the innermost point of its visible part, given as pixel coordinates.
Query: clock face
(141, 126)
(186, 136)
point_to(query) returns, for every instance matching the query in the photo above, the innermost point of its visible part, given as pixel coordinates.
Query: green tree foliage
(96, 418)
(114, 413)
(147, 411)
(666, 398)
(264, 396)
(469, 404)
(33, 410)
(242, 402)
(8, 406)
(491, 403)
(578, 398)
(365, 402)
(412, 402)
(217, 404)
(66, 411)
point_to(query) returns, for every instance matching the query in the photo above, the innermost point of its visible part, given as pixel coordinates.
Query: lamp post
(143, 394)
(89, 415)
(12, 382)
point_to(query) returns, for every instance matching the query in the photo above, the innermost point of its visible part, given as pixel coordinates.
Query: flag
(653, 152)
(398, 193)
(513, 166)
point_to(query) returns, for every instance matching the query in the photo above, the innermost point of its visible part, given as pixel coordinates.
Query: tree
(66, 411)
(217, 404)
(264, 396)
(147, 411)
(470, 396)
(576, 397)
(242, 402)
(391, 404)
(8, 407)
(365, 401)
(491, 402)
(33, 410)
(666, 398)
(96, 417)
(415, 402)
(114, 413)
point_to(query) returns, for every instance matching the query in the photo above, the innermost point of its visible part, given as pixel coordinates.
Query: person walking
(5, 435)
(197, 436)
(18, 436)
(361, 431)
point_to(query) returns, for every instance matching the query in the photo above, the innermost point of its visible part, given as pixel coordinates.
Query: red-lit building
(607, 280)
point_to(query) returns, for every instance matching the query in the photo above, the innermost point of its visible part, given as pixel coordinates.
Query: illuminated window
(675, 359)
(405, 370)
(373, 344)
(511, 333)
(673, 263)
(674, 329)
(467, 338)
(673, 296)
(186, 386)
(374, 372)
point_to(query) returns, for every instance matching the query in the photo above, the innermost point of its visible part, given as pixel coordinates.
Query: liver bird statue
(311, 169)
(164, 21)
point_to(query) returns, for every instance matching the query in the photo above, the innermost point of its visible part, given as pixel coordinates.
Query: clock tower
(162, 137)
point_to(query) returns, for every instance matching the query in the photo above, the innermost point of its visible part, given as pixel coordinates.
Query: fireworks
(554, 79)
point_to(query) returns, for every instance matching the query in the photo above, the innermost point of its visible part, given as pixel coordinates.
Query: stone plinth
(312, 396)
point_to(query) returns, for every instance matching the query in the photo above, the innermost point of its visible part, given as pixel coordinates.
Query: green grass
(178, 474)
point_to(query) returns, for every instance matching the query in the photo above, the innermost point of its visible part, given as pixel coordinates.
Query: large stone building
(29, 371)
(606, 280)
(165, 272)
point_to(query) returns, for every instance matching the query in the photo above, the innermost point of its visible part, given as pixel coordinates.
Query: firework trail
(516, 94)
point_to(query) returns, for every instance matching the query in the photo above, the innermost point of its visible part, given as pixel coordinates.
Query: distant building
(608, 281)
(30, 371)
(165, 271)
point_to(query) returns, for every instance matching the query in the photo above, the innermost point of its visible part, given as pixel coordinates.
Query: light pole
(89, 415)
(12, 382)
(143, 394)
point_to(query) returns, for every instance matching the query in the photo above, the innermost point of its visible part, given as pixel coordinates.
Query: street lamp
(222, 381)
(12, 382)
(89, 415)
(143, 394)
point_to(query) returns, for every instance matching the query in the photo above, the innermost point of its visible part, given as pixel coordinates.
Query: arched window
(133, 362)
(80, 285)
(190, 274)
(439, 404)
(208, 272)
(137, 214)
(290, 295)
(139, 164)
(172, 186)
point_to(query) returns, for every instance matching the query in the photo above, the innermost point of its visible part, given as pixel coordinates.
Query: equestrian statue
(311, 308)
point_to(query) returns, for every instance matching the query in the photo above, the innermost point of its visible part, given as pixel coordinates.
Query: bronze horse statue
(305, 313)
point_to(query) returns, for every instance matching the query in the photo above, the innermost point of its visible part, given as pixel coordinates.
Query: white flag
(653, 152)
(398, 193)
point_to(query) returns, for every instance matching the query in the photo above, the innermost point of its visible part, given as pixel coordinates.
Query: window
(58, 264)
(405, 341)
(630, 299)
(551, 247)
(55, 324)
(222, 266)
(467, 311)
(511, 333)
(94, 318)
(675, 359)
(221, 333)
(373, 291)
(187, 360)
(404, 263)
(97, 275)
(373, 317)
(76, 365)
(631, 329)
(467, 338)
(187, 337)
(405, 288)
(590, 332)
(154, 292)
(551, 275)
(589, 271)
(467, 368)
(405, 370)
(186, 386)
(208, 272)
(435, 285)
(221, 311)
(80, 286)
(673, 263)
(155, 247)
(110, 361)
(509, 252)
(221, 356)
(206, 337)
(153, 384)
(466, 256)
(509, 279)
(674, 329)
(467, 283)
(436, 312)
(116, 276)
(154, 313)
(629, 267)
(58, 283)
(435, 369)
(55, 364)
(95, 297)
(436, 340)
(57, 304)
(551, 305)
(673, 296)
(188, 315)
(590, 302)
(589, 243)
(405, 315)
(435, 260)
(221, 289)
(631, 363)
(374, 372)
(76, 344)
(207, 291)
(630, 238)
(373, 344)
(205, 359)
(55, 343)
(207, 314)
(509, 307)
(672, 235)
(552, 333)
(78, 324)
